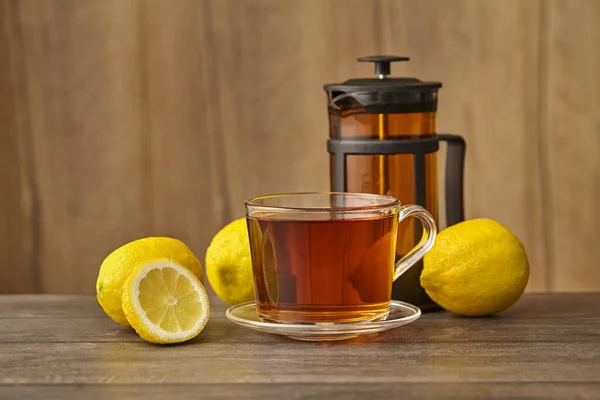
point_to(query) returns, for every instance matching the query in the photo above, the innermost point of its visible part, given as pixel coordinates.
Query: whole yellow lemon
(476, 268)
(229, 265)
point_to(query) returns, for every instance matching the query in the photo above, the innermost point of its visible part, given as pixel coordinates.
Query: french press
(383, 140)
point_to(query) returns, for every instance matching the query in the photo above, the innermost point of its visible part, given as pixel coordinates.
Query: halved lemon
(165, 302)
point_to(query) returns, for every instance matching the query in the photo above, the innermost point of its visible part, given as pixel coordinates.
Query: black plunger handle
(382, 63)
(455, 165)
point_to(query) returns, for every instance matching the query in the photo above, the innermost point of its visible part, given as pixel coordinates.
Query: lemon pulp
(165, 302)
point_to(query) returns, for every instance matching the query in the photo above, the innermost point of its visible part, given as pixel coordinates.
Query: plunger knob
(382, 63)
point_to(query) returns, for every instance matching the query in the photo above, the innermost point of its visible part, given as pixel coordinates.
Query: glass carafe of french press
(383, 139)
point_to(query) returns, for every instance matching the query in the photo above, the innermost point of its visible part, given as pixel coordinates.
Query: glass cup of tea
(329, 257)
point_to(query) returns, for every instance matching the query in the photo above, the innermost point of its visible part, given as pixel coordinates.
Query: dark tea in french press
(383, 139)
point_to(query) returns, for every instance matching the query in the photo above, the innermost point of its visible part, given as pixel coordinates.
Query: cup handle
(426, 242)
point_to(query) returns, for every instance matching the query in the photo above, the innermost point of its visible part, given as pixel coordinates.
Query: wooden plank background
(127, 118)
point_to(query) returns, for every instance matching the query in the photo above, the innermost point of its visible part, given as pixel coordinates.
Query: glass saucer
(400, 314)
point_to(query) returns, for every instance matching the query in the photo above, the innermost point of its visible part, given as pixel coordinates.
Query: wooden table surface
(546, 346)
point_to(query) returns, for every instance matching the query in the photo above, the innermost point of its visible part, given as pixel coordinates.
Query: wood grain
(348, 391)
(544, 346)
(25, 320)
(122, 133)
(269, 64)
(188, 195)
(294, 363)
(123, 119)
(484, 53)
(572, 142)
(19, 204)
(82, 98)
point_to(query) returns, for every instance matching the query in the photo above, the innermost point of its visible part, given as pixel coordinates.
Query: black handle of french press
(455, 165)
(382, 63)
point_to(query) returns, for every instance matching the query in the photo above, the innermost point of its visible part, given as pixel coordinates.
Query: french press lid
(382, 94)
